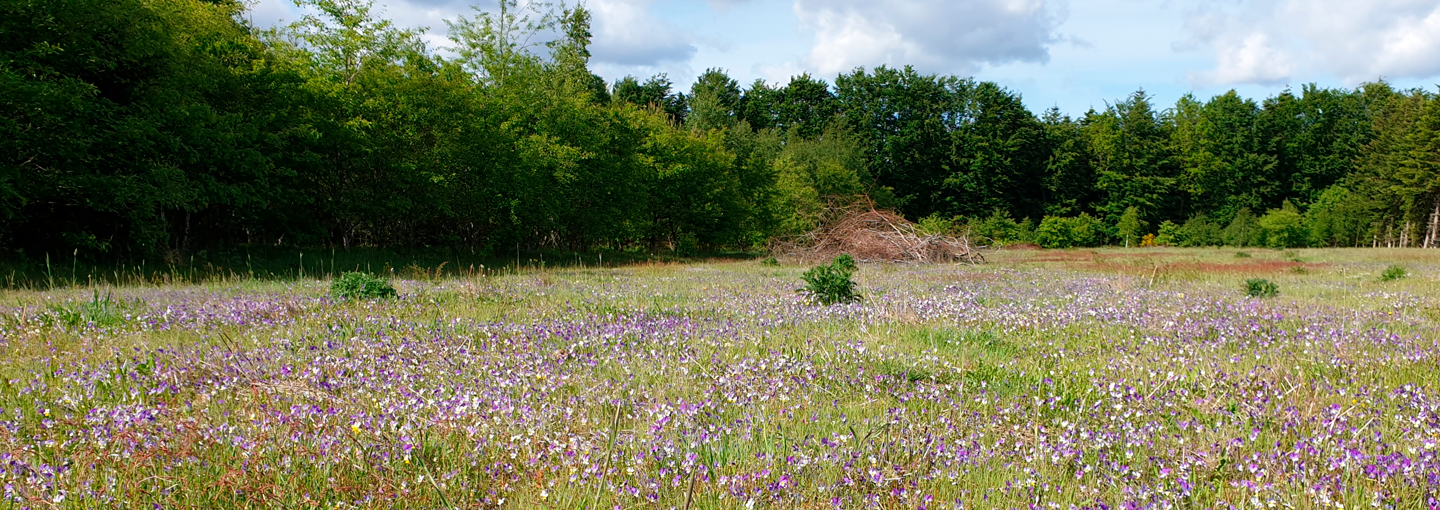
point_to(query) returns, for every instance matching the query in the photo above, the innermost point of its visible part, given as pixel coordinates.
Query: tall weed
(832, 283)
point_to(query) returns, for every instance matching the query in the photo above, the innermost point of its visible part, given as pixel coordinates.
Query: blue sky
(1073, 54)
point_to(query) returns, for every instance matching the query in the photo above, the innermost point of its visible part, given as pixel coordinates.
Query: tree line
(158, 128)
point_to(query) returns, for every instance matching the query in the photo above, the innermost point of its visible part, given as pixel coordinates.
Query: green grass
(990, 348)
(280, 263)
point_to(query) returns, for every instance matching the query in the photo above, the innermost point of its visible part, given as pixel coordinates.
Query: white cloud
(1247, 58)
(1270, 41)
(938, 35)
(627, 34)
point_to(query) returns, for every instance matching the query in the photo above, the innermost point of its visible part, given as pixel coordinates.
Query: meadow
(1110, 378)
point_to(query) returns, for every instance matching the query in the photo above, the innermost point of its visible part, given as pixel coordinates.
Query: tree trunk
(1430, 237)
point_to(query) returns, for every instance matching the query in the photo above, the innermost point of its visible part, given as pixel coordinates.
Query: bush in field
(1168, 235)
(1076, 232)
(770, 262)
(1261, 288)
(1199, 231)
(361, 286)
(830, 284)
(1000, 228)
(1393, 273)
(1243, 231)
(1284, 227)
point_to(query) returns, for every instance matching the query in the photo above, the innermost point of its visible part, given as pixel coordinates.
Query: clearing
(1044, 379)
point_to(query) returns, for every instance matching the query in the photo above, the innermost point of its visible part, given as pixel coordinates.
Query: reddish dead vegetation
(872, 235)
(1088, 256)
(1052, 256)
(1256, 267)
(1274, 266)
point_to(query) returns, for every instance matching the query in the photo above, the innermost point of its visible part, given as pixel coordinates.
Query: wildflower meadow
(1043, 379)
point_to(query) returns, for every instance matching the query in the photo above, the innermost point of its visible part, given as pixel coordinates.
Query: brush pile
(871, 235)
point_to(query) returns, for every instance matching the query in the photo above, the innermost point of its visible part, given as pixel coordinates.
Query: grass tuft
(1261, 288)
(1393, 273)
(832, 283)
(361, 286)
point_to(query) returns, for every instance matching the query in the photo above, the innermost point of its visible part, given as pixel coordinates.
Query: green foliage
(1168, 235)
(1243, 230)
(946, 144)
(1393, 273)
(152, 130)
(1261, 288)
(1130, 226)
(1059, 232)
(1133, 167)
(830, 284)
(1221, 153)
(814, 175)
(714, 102)
(1001, 229)
(687, 245)
(1339, 218)
(1242, 255)
(97, 312)
(356, 285)
(1199, 231)
(1399, 171)
(935, 224)
(654, 93)
(770, 262)
(1284, 228)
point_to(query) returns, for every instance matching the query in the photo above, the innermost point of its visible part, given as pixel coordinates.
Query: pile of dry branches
(872, 235)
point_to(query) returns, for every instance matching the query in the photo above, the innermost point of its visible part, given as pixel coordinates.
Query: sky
(1070, 54)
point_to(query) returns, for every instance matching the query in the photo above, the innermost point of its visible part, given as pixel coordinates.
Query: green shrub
(935, 224)
(1242, 255)
(1168, 235)
(1261, 288)
(1393, 273)
(830, 284)
(1001, 229)
(1243, 230)
(770, 262)
(1284, 227)
(687, 245)
(1077, 232)
(361, 286)
(1199, 231)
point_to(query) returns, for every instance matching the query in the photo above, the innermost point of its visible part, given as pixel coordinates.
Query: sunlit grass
(1076, 378)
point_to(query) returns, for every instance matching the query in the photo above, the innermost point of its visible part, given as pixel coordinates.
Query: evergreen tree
(1133, 166)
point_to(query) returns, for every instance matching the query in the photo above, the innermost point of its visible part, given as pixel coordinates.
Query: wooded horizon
(158, 128)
